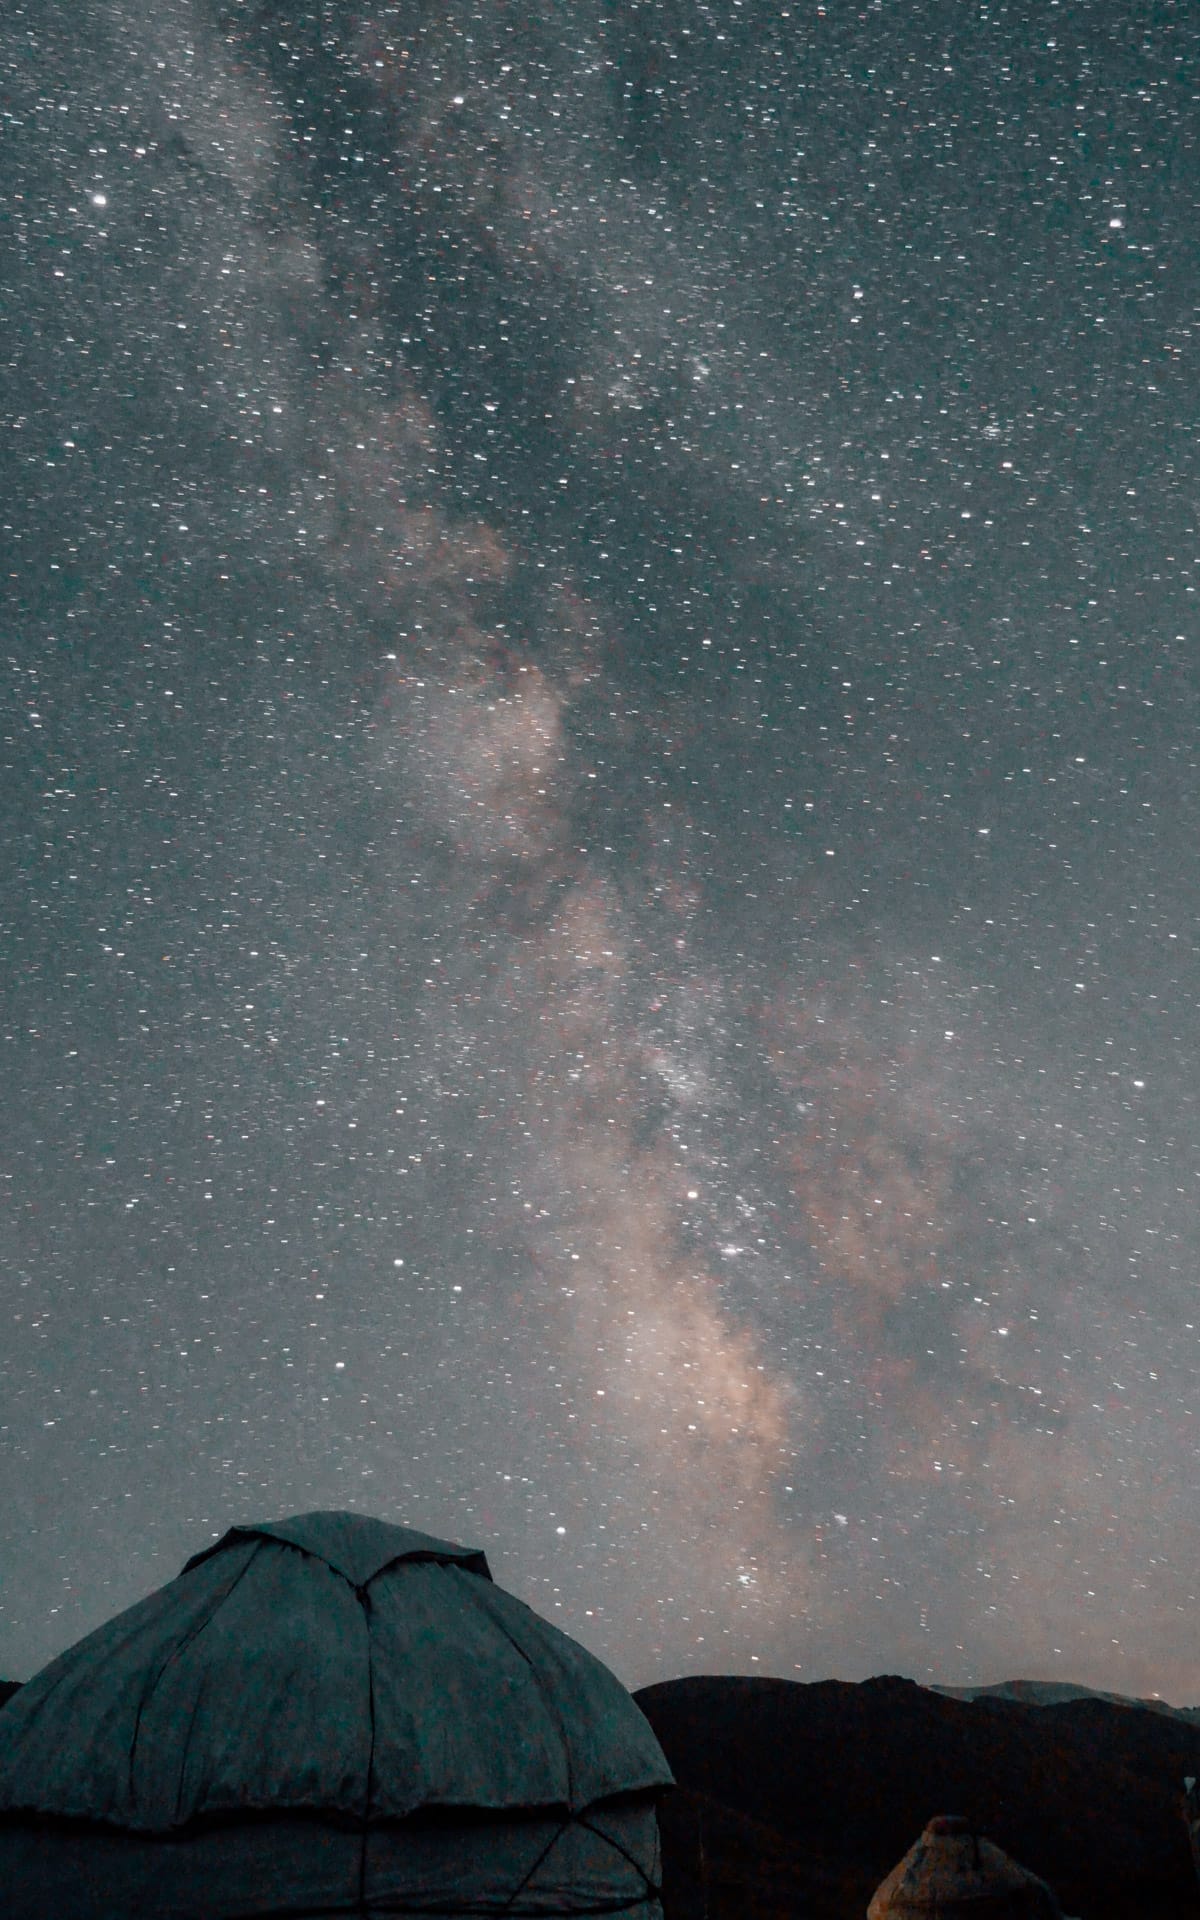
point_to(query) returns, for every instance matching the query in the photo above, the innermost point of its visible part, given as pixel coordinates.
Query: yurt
(328, 1715)
(951, 1873)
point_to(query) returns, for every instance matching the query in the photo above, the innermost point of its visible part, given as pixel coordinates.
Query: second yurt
(952, 1873)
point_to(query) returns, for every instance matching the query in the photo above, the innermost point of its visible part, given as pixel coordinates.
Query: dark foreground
(799, 1799)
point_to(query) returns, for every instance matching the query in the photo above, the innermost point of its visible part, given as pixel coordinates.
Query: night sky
(599, 815)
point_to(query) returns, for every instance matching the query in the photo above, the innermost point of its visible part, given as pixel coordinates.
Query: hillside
(842, 1777)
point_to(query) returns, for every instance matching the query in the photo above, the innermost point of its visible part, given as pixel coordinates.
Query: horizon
(932, 1686)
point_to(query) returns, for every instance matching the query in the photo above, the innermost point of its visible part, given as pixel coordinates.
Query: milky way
(599, 817)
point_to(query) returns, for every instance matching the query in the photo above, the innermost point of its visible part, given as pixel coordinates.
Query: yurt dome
(952, 1873)
(328, 1714)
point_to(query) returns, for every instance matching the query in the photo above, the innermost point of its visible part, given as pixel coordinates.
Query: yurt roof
(353, 1544)
(329, 1662)
(952, 1869)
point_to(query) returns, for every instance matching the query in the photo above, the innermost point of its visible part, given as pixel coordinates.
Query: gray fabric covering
(248, 1739)
(284, 1865)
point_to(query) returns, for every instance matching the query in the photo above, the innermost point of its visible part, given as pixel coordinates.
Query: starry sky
(598, 814)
